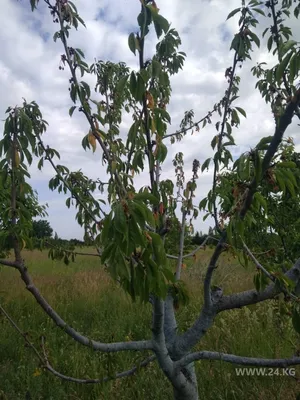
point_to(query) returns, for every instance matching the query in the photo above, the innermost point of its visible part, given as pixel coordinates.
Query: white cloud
(29, 68)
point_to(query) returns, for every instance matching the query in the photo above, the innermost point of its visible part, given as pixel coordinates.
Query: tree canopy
(129, 225)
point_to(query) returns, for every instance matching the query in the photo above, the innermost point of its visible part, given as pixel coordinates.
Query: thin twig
(267, 273)
(194, 251)
(257, 263)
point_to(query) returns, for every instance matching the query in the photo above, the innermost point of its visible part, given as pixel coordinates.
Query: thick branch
(192, 336)
(177, 378)
(248, 297)
(7, 263)
(233, 359)
(98, 346)
(170, 324)
(209, 273)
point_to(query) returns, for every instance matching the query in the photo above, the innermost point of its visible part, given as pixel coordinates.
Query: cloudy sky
(29, 63)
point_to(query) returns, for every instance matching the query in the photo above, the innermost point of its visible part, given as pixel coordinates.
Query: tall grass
(85, 297)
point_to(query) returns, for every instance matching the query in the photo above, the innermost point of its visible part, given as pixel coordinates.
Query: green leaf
(282, 66)
(161, 153)
(241, 111)
(71, 110)
(108, 252)
(156, 68)
(232, 13)
(286, 164)
(280, 180)
(205, 164)
(259, 11)
(261, 200)
(160, 23)
(264, 143)
(168, 274)
(202, 203)
(86, 88)
(133, 84)
(255, 39)
(140, 89)
(287, 46)
(257, 166)
(146, 197)
(158, 249)
(214, 141)
(132, 43)
(294, 67)
(121, 84)
(270, 43)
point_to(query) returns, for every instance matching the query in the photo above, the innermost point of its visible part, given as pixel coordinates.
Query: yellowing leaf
(150, 100)
(92, 141)
(148, 237)
(17, 158)
(154, 5)
(37, 372)
(153, 126)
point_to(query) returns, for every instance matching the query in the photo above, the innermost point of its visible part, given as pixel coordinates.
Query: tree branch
(209, 273)
(181, 245)
(191, 254)
(46, 364)
(276, 38)
(284, 122)
(170, 324)
(248, 297)
(118, 375)
(195, 124)
(7, 263)
(233, 359)
(257, 263)
(97, 346)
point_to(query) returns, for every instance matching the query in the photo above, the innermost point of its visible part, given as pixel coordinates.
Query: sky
(29, 62)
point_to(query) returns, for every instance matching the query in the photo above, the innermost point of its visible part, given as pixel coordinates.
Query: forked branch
(47, 365)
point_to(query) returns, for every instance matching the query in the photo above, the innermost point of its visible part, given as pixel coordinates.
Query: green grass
(90, 302)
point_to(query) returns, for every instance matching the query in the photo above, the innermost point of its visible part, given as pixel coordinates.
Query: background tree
(130, 237)
(41, 229)
(275, 237)
(26, 200)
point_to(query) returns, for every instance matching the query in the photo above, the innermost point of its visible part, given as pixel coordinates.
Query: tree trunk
(189, 391)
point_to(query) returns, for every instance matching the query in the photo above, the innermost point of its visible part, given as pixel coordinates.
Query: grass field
(90, 302)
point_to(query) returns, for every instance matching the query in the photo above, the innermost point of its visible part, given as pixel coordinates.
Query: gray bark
(189, 390)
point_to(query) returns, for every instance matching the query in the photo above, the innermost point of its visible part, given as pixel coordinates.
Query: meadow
(94, 305)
